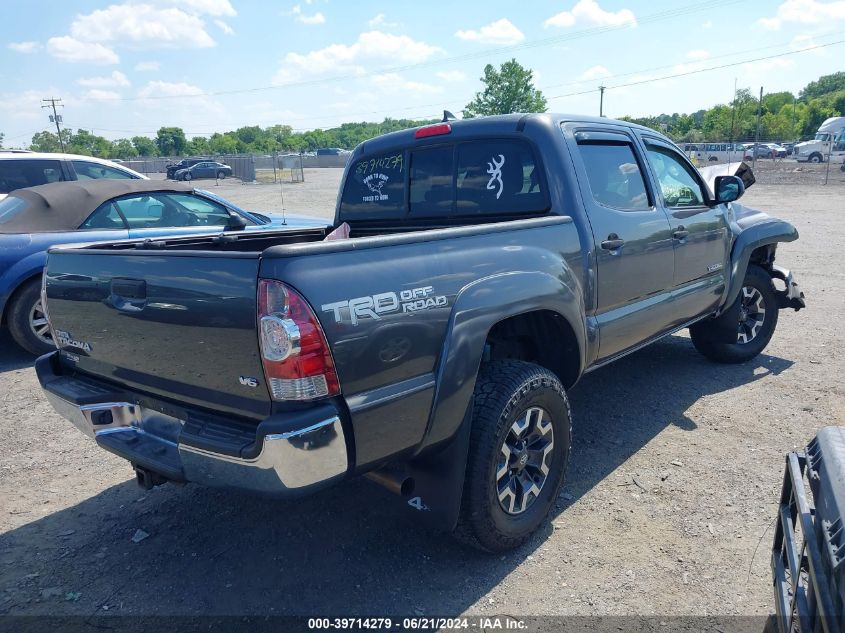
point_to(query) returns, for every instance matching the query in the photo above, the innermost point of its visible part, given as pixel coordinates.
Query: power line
(576, 35)
(561, 96)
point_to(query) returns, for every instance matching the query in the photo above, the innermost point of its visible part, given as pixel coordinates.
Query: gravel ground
(667, 510)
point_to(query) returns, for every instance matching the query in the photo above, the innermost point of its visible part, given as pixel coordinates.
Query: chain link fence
(250, 167)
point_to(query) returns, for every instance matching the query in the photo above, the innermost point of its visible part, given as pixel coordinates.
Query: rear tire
(758, 320)
(27, 322)
(519, 450)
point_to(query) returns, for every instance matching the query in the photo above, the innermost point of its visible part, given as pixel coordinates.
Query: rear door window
(17, 174)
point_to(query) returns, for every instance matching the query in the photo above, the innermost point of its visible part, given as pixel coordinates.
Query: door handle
(680, 233)
(612, 242)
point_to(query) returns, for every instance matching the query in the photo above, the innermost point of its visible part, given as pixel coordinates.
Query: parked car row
(193, 168)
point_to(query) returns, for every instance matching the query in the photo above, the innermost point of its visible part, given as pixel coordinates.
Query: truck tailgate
(178, 325)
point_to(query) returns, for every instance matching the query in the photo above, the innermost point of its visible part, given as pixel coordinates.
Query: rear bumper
(288, 455)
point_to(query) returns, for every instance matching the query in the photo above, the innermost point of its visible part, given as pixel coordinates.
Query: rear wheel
(519, 450)
(758, 318)
(27, 320)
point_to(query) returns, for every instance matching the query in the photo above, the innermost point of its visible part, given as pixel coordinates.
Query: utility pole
(757, 134)
(55, 117)
(601, 100)
(733, 120)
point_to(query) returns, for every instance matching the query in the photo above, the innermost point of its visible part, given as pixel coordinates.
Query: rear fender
(439, 467)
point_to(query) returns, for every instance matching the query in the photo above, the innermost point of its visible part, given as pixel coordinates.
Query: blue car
(35, 218)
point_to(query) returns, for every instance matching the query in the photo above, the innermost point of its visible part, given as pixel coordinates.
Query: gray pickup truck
(490, 263)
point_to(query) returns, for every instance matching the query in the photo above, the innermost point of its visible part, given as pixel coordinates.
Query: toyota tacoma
(474, 271)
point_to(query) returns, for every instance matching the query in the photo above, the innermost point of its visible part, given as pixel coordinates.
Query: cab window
(678, 183)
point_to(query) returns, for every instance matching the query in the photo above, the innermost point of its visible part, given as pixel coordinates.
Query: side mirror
(728, 188)
(235, 223)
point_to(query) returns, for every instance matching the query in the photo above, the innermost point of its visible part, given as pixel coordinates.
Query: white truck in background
(829, 140)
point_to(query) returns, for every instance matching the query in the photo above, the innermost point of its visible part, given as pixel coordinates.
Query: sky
(126, 68)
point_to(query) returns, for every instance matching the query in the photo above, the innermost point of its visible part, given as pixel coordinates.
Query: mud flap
(722, 329)
(439, 481)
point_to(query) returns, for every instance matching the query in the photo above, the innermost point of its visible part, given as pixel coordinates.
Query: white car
(19, 169)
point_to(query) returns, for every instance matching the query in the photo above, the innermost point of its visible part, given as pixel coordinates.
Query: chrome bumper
(289, 462)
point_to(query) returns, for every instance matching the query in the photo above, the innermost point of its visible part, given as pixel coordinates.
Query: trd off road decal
(494, 168)
(378, 305)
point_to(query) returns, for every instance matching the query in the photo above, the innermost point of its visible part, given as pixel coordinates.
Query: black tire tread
(498, 386)
(18, 317)
(732, 353)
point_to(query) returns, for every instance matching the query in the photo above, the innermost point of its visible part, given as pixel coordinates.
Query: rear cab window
(452, 179)
(20, 173)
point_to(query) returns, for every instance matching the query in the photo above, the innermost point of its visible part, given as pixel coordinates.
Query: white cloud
(451, 75)
(117, 79)
(228, 30)
(380, 21)
(498, 32)
(596, 72)
(589, 12)
(315, 18)
(393, 83)
(70, 49)
(24, 47)
(804, 12)
(707, 25)
(146, 67)
(216, 8)
(155, 89)
(698, 54)
(142, 25)
(371, 47)
(101, 95)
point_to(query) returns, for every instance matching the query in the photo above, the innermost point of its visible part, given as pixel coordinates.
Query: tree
(144, 146)
(45, 142)
(2, 136)
(823, 85)
(123, 148)
(171, 141)
(510, 89)
(198, 146)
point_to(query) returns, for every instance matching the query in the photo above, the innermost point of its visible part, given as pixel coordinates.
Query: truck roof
(487, 125)
(833, 124)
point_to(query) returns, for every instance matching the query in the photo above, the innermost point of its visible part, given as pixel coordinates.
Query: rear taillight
(297, 362)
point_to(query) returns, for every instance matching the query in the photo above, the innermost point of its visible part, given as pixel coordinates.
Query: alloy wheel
(752, 314)
(38, 323)
(524, 460)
